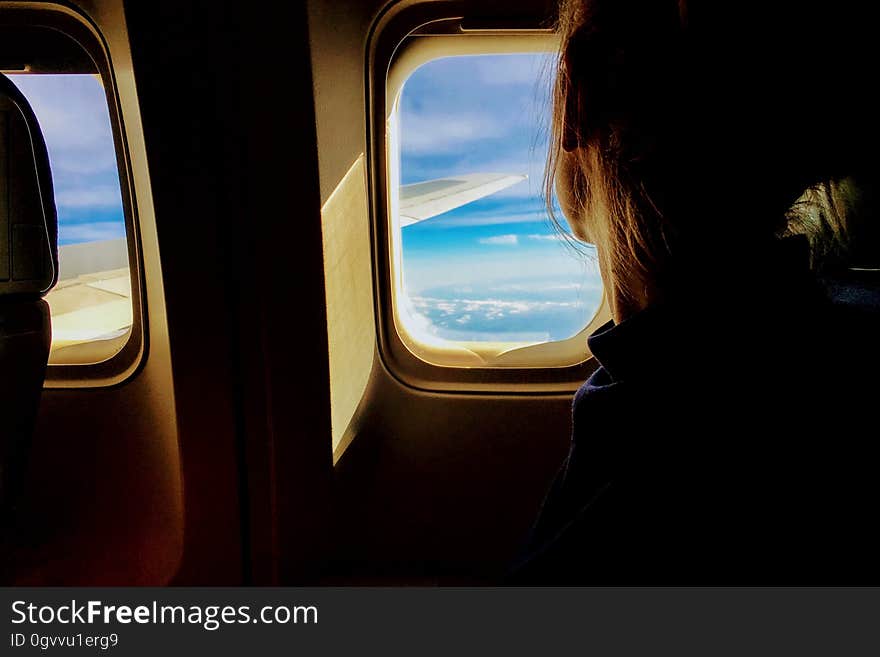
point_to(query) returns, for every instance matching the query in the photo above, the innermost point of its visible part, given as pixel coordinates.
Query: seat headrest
(28, 219)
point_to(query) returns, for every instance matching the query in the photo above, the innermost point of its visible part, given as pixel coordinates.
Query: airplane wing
(91, 307)
(423, 200)
(88, 306)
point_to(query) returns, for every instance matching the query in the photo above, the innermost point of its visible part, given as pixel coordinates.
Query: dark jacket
(727, 438)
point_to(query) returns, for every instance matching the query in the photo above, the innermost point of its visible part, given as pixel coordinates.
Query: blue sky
(72, 111)
(494, 269)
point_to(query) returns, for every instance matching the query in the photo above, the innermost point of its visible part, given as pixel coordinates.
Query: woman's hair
(695, 125)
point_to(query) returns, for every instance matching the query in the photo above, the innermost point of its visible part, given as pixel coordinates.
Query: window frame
(126, 362)
(408, 35)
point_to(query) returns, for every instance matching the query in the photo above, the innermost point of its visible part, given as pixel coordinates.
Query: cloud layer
(500, 240)
(542, 310)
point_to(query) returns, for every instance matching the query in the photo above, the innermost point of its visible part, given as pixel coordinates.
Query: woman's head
(689, 128)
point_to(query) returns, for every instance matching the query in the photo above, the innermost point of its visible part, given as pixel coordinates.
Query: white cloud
(500, 240)
(443, 133)
(100, 161)
(489, 306)
(547, 238)
(537, 287)
(480, 316)
(518, 70)
(73, 116)
(91, 197)
(92, 232)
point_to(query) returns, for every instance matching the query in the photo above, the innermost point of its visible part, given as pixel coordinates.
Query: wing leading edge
(92, 301)
(423, 200)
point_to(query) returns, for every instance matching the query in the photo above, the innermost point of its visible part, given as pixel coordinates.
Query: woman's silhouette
(727, 435)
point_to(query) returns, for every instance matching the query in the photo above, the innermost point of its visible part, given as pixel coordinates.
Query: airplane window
(91, 305)
(481, 263)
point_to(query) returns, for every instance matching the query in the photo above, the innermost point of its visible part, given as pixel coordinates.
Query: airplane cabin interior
(229, 289)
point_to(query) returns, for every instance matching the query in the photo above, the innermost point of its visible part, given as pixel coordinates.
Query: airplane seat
(843, 229)
(28, 269)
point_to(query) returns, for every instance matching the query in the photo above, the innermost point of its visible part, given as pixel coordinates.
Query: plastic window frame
(394, 52)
